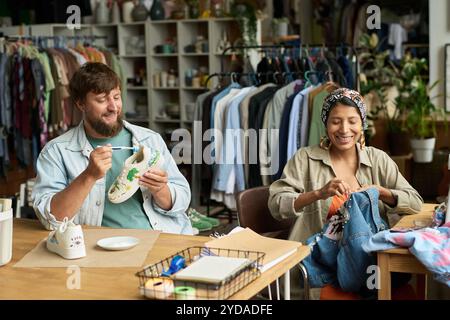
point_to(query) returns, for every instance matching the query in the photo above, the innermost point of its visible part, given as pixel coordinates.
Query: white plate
(118, 243)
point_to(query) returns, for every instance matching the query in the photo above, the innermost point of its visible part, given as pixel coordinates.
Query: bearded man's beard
(104, 129)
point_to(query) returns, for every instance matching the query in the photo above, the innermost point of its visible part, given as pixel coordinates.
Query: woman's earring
(362, 140)
(325, 143)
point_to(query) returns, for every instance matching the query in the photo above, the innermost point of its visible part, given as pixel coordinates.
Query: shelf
(167, 120)
(105, 24)
(225, 19)
(164, 21)
(226, 54)
(135, 23)
(195, 20)
(136, 88)
(195, 88)
(141, 55)
(163, 55)
(195, 54)
(166, 88)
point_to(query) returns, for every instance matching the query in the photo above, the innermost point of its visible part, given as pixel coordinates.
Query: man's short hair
(93, 77)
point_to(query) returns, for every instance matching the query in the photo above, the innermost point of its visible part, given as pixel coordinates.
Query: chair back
(254, 213)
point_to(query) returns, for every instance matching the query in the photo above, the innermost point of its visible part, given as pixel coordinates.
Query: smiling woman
(340, 166)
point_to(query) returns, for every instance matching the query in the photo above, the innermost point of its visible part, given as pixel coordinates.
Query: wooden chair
(254, 213)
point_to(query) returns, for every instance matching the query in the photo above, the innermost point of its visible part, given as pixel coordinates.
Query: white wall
(439, 35)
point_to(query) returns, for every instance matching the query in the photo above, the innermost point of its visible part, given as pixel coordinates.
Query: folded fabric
(431, 246)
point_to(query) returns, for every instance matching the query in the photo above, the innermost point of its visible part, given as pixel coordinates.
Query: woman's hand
(334, 187)
(385, 194)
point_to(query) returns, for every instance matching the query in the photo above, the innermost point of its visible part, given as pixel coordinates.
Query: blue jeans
(343, 262)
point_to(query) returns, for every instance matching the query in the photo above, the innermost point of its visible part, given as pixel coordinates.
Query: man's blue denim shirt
(67, 156)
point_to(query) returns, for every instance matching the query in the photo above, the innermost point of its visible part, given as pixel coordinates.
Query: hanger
(306, 76)
(274, 75)
(233, 80)
(329, 75)
(254, 78)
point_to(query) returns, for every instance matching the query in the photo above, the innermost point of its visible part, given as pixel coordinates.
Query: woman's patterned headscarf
(338, 94)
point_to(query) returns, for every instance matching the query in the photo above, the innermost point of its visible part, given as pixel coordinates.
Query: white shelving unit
(148, 62)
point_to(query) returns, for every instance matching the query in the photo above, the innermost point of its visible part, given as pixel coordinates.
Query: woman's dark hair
(93, 77)
(345, 101)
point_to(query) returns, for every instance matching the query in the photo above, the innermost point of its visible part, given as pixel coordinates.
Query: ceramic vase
(101, 12)
(157, 11)
(127, 9)
(115, 13)
(139, 12)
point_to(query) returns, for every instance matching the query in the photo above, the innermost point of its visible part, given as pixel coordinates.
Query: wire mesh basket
(155, 284)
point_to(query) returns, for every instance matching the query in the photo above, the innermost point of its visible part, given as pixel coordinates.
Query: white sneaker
(127, 183)
(195, 231)
(67, 240)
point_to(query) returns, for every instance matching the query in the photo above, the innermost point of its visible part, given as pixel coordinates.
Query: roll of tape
(185, 293)
(158, 288)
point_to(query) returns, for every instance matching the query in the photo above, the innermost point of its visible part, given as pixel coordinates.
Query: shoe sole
(203, 229)
(69, 254)
(214, 224)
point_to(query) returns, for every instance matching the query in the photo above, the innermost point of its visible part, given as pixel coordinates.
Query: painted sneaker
(200, 225)
(213, 221)
(127, 183)
(67, 240)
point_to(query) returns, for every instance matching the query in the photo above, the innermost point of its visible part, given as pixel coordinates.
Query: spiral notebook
(212, 269)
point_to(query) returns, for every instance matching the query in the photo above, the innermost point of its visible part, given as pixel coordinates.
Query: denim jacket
(67, 156)
(343, 261)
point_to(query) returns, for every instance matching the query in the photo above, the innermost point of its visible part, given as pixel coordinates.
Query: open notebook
(275, 250)
(212, 269)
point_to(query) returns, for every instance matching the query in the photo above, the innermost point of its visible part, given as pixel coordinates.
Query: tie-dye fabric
(431, 246)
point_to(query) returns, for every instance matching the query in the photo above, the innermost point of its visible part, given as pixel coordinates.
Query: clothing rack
(17, 38)
(235, 75)
(56, 39)
(300, 47)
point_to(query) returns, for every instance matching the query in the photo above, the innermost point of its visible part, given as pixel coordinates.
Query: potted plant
(421, 112)
(193, 8)
(247, 12)
(280, 27)
(379, 76)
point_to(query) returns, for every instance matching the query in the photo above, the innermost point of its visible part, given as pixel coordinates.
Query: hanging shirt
(303, 125)
(317, 128)
(230, 175)
(293, 121)
(397, 35)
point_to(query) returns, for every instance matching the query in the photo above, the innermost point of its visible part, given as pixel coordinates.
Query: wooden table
(104, 283)
(401, 260)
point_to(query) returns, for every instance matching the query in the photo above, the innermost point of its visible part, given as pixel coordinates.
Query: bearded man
(75, 170)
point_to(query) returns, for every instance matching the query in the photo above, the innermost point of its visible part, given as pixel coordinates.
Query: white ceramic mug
(163, 75)
(6, 233)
